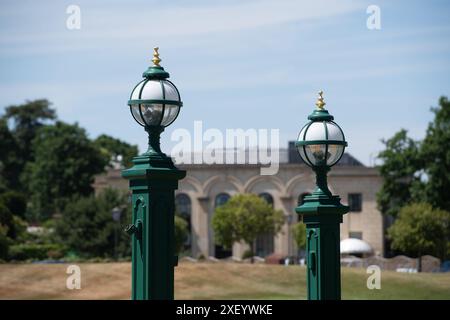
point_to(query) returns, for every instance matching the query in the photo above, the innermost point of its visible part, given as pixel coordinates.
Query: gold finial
(156, 60)
(320, 102)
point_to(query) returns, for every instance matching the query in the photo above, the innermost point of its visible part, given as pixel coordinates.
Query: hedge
(32, 251)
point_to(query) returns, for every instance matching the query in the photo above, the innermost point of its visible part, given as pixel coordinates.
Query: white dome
(153, 90)
(321, 130)
(355, 246)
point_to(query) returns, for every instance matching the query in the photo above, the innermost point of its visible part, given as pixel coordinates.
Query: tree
(6, 219)
(87, 228)
(12, 208)
(10, 163)
(13, 224)
(26, 119)
(115, 150)
(4, 243)
(65, 164)
(15, 202)
(299, 232)
(181, 233)
(243, 218)
(401, 163)
(435, 154)
(420, 230)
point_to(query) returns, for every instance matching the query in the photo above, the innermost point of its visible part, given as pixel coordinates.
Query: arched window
(183, 205)
(301, 198)
(219, 251)
(264, 244)
(221, 199)
(268, 197)
(183, 208)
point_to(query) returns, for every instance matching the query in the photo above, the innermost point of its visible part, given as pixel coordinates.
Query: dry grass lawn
(210, 281)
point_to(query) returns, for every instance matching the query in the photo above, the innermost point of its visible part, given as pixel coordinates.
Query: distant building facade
(208, 186)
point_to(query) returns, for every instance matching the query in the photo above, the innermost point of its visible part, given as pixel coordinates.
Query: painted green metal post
(153, 181)
(154, 103)
(322, 214)
(321, 144)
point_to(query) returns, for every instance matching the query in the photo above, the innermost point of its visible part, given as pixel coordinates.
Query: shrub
(32, 251)
(248, 254)
(15, 202)
(15, 226)
(299, 233)
(421, 229)
(87, 228)
(181, 233)
(6, 218)
(4, 243)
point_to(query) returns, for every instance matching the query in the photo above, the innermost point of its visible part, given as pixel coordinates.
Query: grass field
(211, 281)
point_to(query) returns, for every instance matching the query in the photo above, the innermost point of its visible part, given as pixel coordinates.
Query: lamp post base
(153, 181)
(322, 213)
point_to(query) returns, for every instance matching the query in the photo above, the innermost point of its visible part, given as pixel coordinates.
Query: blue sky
(237, 64)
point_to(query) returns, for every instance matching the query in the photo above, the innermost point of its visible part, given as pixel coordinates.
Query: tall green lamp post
(321, 144)
(154, 103)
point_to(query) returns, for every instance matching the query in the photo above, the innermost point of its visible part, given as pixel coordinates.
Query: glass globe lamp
(321, 142)
(155, 101)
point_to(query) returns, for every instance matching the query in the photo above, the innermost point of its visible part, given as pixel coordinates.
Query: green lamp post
(154, 103)
(321, 144)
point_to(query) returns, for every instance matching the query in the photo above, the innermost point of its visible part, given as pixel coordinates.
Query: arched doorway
(219, 251)
(183, 209)
(264, 244)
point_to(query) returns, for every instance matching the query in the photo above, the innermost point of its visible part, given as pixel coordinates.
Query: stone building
(208, 186)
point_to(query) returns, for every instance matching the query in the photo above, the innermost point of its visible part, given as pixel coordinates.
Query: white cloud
(140, 23)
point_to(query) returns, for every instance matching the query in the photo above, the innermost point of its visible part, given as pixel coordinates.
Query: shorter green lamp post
(154, 103)
(321, 144)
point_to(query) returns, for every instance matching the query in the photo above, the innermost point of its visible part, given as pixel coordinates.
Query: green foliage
(248, 254)
(4, 242)
(10, 161)
(12, 229)
(3, 182)
(243, 218)
(299, 233)
(114, 149)
(87, 228)
(435, 154)
(401, 162)
(420, 230)
(20, 229)
(15, 202)
(6, 216)
(65, 164)
(201, 257)
(417, 171)
(181, 233)
(34, 251)
(26, 119)
(12, 208)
